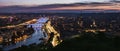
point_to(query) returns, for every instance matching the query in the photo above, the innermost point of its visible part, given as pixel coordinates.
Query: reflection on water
(35, 38)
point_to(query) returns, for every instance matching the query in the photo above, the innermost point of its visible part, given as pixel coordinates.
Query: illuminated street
(56, 39)
(25, 23)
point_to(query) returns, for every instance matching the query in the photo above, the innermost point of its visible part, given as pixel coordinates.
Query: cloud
(116, 1)
(93, 6)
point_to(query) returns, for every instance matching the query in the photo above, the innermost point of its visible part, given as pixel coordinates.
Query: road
(25, 23)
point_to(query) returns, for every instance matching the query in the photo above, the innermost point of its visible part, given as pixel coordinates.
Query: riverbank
(36, 38)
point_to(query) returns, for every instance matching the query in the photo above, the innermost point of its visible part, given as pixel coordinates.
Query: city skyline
(59, 25)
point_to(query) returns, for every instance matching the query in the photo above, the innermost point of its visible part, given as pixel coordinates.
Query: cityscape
(87, 25)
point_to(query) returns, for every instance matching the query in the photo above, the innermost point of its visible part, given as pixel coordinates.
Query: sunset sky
(43, 2)
(71, 5)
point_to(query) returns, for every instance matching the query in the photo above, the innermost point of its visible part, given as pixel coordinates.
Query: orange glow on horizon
(105, 7)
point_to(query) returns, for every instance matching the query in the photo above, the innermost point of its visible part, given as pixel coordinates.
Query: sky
(17, 5)
(43, 2)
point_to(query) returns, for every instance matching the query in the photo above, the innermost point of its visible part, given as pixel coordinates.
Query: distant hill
(62, 8)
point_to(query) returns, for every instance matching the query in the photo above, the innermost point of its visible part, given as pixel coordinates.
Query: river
(34, 38)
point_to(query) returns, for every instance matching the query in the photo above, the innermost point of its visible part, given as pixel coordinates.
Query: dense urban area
(74, 31)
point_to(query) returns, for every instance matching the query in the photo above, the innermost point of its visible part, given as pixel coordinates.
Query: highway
(25, 23)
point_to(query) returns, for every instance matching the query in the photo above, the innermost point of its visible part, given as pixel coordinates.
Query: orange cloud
(105, 7)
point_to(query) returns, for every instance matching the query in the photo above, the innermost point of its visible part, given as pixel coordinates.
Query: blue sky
(43, 2)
